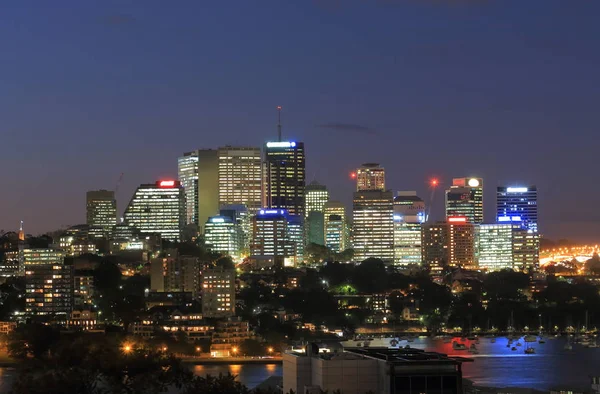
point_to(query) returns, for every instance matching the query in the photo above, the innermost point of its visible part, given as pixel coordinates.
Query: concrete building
(101, 210)
(451, 243)
(224, 235)
(409, 215)
(158, 208)
(465, 198)
(240, 177)
(285, 176)
(373, 227)
(518, 204)
(218, 292)
(377, 370)
(370, 176)
(175, 273)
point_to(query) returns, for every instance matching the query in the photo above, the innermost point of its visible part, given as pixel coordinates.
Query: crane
(433, 184)
(119, 182)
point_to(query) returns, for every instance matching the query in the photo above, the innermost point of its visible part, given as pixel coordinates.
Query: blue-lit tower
(518, 204)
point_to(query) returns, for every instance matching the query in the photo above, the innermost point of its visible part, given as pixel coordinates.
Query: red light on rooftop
(353, 175)
(457, 219)
(166, 183)
(434, 182)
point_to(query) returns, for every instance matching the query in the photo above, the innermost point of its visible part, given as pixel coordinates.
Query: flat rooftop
(407, 356)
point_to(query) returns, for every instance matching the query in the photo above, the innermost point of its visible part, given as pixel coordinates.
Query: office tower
(187, 168)
(409, 215)
(526, 251)
(336, 226)
(370, 176)
(222, 234)
(158, 208)
(295, 236)
(175, 273)
(218, 293)
(496, 246)
(373, 230)
(240, 177)
(101, 210)
(449, 244)
(315, 197)
(285, 176)
(518, 204)
(49, 288)
(271, 238)
(465, 198)
(240, 215)
(315, 228)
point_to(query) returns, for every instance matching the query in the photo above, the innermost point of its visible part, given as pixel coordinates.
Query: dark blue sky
(506, 90)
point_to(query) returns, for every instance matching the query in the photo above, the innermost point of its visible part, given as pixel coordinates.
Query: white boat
(458, 346)
(387, 342)
(530, 350)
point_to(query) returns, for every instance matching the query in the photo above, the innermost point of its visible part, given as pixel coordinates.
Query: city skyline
(424, 89)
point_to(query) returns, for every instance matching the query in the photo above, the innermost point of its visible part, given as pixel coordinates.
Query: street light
(198, 349)
(127, 348)
(270, 350)
(234, 350)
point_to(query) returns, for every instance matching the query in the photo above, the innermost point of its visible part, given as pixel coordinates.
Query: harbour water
(496, 365)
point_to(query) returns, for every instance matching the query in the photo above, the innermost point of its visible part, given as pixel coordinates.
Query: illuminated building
(48, 288)
(316, 196)
(526, 251)
(519, 203)
(277, 237)
(240, 177)
(336, 226)
(76, 241)
(496, 246)
(83, 289)
(451, 243)
(39, 256)
(373, 227)
(218, 292)
(465, 198)
(370, 176)
(175, 273)
(101, 209)
(223, 235)
(240, 215)
(158, 208)
(409, 214)
(285, 176)
(187, 167)
(315, 228)
(295, 236)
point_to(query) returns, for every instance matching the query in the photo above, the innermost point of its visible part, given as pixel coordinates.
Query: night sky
(504, 90)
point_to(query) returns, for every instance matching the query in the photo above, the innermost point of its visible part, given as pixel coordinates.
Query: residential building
(409, 215)
(218, 292)
(223, 235)
(240, 177)
(39, 256)
(465, 198)
(373, 227)
(285, 176)
(49, 290)
(519, 204)
(158, 208)
(76, 241)
(370, 176)
(83, 289)
(371, 369)
(175, 273)
(232, 330)
(101, 210)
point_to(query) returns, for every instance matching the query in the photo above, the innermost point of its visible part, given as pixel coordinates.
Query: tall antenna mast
(279, 122)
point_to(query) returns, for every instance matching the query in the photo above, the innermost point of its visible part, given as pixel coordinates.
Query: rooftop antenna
(279, 122)
(21, 232)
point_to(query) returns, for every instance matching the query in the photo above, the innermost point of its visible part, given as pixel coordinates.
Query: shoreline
(231, 360)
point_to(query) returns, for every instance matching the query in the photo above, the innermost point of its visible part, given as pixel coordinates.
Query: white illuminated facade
(278, 236)
(187, 167)
(465, 198)
(518, 203)
(373, 227)
(336, 226)
(240, 177)
(409, 214)
(158, 208)
(223, 235)
(496, 246)
(101, 210)
(218, 293)
(315, 197)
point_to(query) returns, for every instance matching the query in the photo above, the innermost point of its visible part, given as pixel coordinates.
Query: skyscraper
(158, 208)
(373, 228)
(315, 197)
(336, 226)
(409, 214)
(101, 209)
(187, 167)
(224, 235)
(465, 198)
(451, 243)
(370, 176)
(240, 177)
(285, 176)
(496, 246)
(518, 204)
(208, 186)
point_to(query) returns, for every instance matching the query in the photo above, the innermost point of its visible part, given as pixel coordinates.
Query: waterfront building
(101, 210)
(373, 225)
(370, 176)
(158, 208)
(224, 235)
(465, 198)
(285, 176)
(519, 204)
(218, 292)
